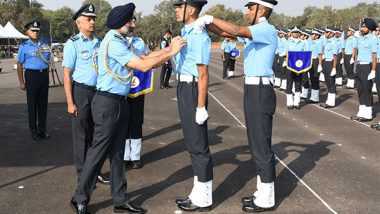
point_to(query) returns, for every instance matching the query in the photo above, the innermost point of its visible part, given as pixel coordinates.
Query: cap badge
(90, 8)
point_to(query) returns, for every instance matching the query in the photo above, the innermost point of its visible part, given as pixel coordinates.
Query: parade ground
(325, 163)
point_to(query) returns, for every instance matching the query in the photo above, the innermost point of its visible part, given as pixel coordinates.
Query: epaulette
(74, 38)
(119, 37)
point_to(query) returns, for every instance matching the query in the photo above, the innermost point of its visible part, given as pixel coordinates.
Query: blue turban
(370, 24)
(120, 15)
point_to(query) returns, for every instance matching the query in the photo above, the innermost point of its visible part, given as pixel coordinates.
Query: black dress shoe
(311, 101)
(346, 87)
(168, 86)
(248, 199)
(180, 201)
(190, 207)
(128, 207)
(375, 126)
(44, 135)
(136, 164)
(103, 179)
(253, 208)
(324, 105)
(35, 136)
(290, 107)
(297, 107)
(354, 118)
(79, 209)
(362, 119)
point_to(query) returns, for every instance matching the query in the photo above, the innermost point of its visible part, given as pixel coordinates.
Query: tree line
(151, 27)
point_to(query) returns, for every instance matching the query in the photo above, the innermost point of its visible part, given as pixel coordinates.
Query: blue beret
(35, 25)
(85, 10)
(370, 24)
(120, 15)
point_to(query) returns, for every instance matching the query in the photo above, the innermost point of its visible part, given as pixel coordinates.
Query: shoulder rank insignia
(118, 37)
(74, 38)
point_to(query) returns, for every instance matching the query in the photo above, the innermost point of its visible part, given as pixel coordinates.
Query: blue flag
(142, 83)
(234, 54)
(299, 61)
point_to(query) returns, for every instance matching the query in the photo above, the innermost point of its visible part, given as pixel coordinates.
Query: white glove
(342, 61)
(320, 69)
(352, 61)
(371, 75)
(201, 115)
(284, 64)
(333, 72)
(201, 22)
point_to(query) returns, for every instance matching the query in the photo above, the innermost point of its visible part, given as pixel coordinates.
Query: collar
(38, 42)
(84, 38)
(117, 35)
(262, 19)
(188, 28)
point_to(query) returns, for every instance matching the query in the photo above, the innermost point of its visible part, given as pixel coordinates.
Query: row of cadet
(331, 54)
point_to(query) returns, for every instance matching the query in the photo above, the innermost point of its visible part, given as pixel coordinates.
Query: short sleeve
(223, 46)
(374, 46)
(355, 43)
(21, 56)
(260, 34)
(163, 44)
(69, 55)
(202, 49)
(119, 52)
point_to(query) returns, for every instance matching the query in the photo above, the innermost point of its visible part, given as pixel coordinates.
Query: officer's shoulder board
(118, 37)
(74, 38)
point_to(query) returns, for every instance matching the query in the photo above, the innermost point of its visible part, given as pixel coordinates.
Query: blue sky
(288, 7)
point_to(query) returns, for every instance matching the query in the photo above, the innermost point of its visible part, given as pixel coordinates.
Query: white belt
(328, 60)
(256, 80)
(187, 78)
(363, 63)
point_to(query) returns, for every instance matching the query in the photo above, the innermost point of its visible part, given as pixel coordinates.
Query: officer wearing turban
(366, 70)
(110, 109)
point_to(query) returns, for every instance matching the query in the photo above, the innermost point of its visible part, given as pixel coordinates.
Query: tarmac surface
(326, 163)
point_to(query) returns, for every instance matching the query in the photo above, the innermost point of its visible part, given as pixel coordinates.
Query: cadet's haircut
(268, 12)
(168, 32)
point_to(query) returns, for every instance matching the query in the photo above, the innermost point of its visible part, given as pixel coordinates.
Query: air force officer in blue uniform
(34, 55)
(110, 109)
(259, 95)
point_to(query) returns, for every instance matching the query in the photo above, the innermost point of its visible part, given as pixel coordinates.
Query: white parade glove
(320, 69)
(352, 61)
(201, 22)
(201, 115)
(284, 64)
(342, 61)
(372, 75)
(333, 72)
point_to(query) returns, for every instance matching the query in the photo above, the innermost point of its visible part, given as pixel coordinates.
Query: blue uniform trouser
(377, 81)
(110, 116)
(196, 136)
(37, 92)
(348, 66)
(330, 81)
(363, 85)
(165, 75)
(82, 125)
(136, 117)
(314, 76)
(226, 65)
(259, 107)
(339, 67)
